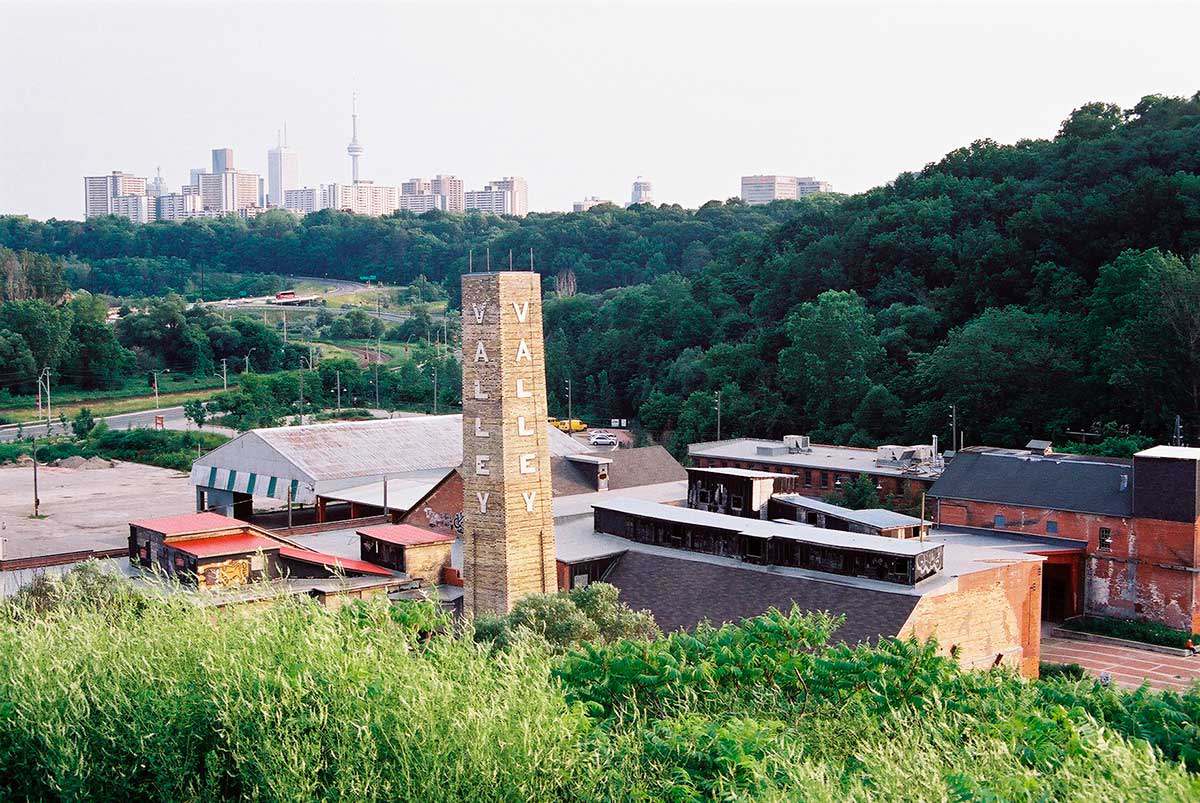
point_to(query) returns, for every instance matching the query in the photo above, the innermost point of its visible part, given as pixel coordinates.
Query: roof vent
(1039, 447)
(797, 443)
(770, 449)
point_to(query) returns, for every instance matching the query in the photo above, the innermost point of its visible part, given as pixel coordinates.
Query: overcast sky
(577, 97)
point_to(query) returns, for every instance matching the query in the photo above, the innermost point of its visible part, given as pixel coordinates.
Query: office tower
(766, 188)
(222, 159)
(99, 191)
(504, 196)
(194, 176)
(354, 149)
(643, 192)
(283, 172)
(156, 186)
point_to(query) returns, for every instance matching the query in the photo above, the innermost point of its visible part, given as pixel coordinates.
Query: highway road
(173, 418)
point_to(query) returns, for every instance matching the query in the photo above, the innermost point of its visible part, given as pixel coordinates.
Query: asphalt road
(173, 418)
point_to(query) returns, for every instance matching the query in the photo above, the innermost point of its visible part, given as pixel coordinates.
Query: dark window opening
(1105, 538)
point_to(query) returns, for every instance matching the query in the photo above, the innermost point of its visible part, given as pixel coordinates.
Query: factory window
(807, 478)
(1105, 538)
(735, 503)
(824, 479)
(999, 522)
(1051, 527)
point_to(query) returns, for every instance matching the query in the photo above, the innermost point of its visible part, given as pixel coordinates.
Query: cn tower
(354, 149)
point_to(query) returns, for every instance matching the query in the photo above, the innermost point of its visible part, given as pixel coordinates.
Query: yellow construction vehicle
(568, 425)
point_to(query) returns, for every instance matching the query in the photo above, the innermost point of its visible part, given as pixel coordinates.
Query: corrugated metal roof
(224, 545)
(327, 457)
(740, 472)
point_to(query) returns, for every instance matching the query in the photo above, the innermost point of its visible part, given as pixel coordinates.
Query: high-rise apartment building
(451, 189)
(194, 178)
(134, 207)
(222, 159)
(416, 186)
(229, 191)
(361, 198)
(643, 192)
(764, 189)
(304, 200)
(156, 186)
(99, 192)
(283, 173)
(178, 206)
(587, 203)
(422, 203)
(504, 196)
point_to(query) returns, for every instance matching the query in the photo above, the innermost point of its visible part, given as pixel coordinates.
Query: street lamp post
(570, 417)
(156, 373)
(718, 406)
(248, 353)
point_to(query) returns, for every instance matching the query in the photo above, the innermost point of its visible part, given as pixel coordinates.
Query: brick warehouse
(1137, 524)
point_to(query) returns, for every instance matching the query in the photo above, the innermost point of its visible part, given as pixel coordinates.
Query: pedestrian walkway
(1128, 666)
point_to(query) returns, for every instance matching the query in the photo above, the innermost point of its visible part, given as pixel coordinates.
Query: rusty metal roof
(188, 523)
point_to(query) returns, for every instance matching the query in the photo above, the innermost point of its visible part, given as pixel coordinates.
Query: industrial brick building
(1133, 523)
(900, 473)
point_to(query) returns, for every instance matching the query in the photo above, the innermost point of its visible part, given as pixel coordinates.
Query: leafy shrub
(1132, 629)
(591, 613)
(1047, 670)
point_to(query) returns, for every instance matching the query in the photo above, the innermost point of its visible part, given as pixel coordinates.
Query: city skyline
(657, 94)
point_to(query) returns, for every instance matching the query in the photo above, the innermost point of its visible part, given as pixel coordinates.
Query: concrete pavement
(1128, 667)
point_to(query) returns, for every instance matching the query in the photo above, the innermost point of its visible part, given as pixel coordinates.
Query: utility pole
(339, 390)
(36, 501)
(435, 390)
(718, 408)
(376, 374)
(954, 426)
(156, 373)
(1177, 438)
(570, 418)
(285, 326)
(224, 374)
(45, 377)
(302, 388)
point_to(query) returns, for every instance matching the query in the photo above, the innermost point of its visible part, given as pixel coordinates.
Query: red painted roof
(218, 545)
(405, 535)
(333, 561)
(188, 523)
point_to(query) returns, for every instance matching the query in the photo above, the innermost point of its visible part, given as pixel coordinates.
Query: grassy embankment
(129, 698)
(134, 397)
(163, 448)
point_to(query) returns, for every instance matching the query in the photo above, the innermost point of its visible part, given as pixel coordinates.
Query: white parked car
(602, 438)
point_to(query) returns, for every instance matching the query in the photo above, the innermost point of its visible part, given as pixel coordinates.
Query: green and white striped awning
(247, 482)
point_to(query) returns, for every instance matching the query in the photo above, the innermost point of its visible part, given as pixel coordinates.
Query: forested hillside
(1044, 286)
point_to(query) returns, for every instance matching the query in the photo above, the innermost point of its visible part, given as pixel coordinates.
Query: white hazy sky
(578, 97)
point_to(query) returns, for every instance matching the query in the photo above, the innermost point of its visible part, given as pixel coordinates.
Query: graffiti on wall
(447, 521)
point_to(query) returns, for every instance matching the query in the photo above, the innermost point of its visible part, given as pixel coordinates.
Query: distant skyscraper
(222, 159)
(194, 176)
(361, 198)
(643, 192)
(451, 190)
(228, 191)
(283, 172)
(156, 186)
(354, 149)
(303, 200)
(764, 189)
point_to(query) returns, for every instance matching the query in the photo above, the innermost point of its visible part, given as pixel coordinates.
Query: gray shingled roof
(681, 593)
(630, 468)
(1057, 482)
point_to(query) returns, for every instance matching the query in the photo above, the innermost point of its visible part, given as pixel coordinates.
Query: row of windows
(1000, 521)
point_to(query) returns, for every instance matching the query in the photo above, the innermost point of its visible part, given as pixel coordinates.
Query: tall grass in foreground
(129, 698)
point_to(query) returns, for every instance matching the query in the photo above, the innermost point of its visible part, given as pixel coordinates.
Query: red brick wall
(1032, 520)
(442, 510)
(1146, 572)
(993, 616)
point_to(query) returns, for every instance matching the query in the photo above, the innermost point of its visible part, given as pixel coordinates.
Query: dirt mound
(74, 461)
(93, 463)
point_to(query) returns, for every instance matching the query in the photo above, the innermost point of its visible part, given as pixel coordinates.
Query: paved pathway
(1129, 667)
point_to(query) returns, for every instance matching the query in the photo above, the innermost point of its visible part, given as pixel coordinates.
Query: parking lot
(85, 509)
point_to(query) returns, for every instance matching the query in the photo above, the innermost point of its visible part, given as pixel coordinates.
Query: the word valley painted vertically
(509, 525)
